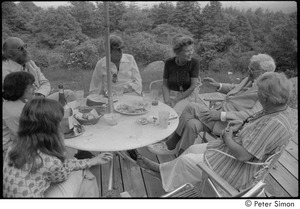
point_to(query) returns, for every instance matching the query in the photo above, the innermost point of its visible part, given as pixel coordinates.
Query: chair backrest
(152, 72)
(185, 191)
(189, 191)
(216, 182)
(269, 164)
(256, 190)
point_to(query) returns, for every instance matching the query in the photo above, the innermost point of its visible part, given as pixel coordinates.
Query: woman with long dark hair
(37, 157)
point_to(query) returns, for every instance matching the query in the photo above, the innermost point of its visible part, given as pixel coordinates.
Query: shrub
(165, 32)
(39, 56)
(145, 49)
(56, 60)
(220, 64)
(83, 56)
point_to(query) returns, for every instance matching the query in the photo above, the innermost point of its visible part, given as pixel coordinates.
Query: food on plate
(87, 116)
(138, 108)
(142, 121)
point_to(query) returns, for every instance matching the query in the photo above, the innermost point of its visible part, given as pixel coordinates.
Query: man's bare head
(14, 48)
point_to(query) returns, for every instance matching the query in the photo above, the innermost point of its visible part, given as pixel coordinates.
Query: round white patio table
(126, 135)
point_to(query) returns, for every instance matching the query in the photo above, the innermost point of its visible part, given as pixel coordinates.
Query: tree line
(225, 38)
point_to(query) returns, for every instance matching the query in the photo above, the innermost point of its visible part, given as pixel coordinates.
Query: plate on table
(137, 108)
(76, 131)
(96, 99)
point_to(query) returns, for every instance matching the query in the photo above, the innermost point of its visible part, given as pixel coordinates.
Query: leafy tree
(213, 20)
(144, 48)
(53, 26)
(165, 32)
(14, 17)
(29, 7)
(187, 15)
(90, 18)
(134, 20)
(162, 13)
(282, 44)
(243, 32)
(116, 11)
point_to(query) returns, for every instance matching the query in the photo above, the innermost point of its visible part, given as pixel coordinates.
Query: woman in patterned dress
(36, 161)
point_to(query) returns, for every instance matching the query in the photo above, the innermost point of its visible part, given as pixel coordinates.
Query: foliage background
(71, 38)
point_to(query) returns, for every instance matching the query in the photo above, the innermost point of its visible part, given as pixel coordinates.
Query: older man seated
(15, 57)
(241, 101)
(125, 73)
(253, 140)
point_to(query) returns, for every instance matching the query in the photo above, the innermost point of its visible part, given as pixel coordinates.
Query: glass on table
(118, 90)
(155, 96)
(147, 96)
(79, 97)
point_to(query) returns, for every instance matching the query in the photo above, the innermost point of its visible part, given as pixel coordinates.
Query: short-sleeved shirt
(180, 75)
(260, 137)
(22, 183)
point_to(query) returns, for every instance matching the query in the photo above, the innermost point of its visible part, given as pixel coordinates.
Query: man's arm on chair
(241, 115)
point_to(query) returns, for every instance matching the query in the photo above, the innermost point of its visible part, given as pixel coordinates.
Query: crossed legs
(188, 128)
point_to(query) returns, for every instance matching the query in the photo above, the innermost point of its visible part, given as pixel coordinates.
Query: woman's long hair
(39, 130)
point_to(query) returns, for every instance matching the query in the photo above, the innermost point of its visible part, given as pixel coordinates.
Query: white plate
(74, 133)
(99, 98)
(133, 109)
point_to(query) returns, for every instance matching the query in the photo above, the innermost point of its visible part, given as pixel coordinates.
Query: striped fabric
(260, 137)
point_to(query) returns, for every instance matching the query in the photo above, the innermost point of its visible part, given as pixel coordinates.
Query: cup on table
(147, 96)
(79, 97)
(112, 118)
(163, 119)
(155, 96)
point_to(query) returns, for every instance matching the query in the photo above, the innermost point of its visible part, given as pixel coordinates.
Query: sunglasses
(22, 48)
(253, 71)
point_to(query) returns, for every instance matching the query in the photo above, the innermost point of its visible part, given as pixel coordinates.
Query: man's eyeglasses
(253, 71)
(22, 48)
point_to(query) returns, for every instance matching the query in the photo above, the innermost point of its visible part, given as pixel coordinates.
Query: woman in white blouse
(124, 71)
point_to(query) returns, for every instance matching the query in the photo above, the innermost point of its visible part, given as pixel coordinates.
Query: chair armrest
(217, 179)
(186, 190)
(153, 82)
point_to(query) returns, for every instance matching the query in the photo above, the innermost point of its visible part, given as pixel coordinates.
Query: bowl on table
(88, 116)
(112, 118)
(101, 109)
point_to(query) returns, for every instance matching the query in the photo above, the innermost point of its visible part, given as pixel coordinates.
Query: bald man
(15, 57)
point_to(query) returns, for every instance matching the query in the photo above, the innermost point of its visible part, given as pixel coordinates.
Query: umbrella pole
(107, 47)
(110, 109)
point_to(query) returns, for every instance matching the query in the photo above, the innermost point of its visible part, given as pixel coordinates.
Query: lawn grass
(76, 79)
